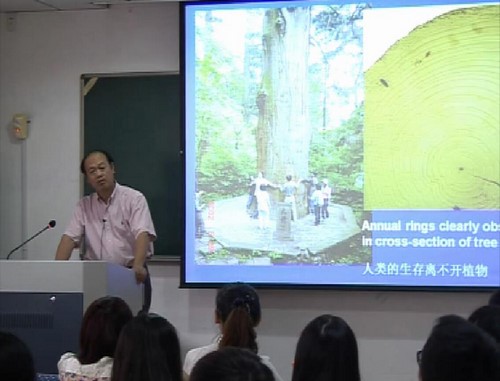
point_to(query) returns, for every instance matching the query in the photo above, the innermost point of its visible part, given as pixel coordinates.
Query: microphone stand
(29, 239)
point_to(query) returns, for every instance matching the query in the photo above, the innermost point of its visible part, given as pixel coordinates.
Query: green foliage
(224, 147)
(240, 255)
(224, 173)
(338, 153)
(337, 21)
(275, 255)
(226, 110)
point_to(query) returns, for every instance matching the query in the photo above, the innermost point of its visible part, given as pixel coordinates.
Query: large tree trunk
(283, 130)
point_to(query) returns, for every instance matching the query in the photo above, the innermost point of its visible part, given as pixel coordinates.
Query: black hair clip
(238, 302)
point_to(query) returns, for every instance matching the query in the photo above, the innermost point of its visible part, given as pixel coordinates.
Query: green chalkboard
(136, 118)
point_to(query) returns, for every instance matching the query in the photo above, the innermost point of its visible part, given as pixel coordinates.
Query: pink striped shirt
(110, 229)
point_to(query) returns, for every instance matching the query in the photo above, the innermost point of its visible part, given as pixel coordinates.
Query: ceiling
(65, 5)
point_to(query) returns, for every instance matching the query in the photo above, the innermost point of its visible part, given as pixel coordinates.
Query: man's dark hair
(231, 364)
(109, 158)
(488, 319)
(495, 298)
(458, 350)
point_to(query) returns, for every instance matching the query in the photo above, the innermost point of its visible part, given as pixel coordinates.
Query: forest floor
(229, 227)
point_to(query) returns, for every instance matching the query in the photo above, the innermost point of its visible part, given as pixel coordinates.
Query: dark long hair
(16, 360)
(101, 326)
(238, 309)
(495, 298)
(488, 319)
(169, 342)
(148, 350)
(231, 364)
(458, 350)
(326, 351)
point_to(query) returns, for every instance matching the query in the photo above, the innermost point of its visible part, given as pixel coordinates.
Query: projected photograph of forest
(279, 113)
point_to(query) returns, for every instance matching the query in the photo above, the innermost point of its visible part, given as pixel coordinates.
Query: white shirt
(263, 202)
(70, 369)
(327, 192)
(110, 229)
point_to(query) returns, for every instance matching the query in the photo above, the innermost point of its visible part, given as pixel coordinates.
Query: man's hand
(140, 251)
(140, 273)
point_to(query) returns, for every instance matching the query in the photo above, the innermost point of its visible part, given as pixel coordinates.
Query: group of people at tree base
(259, 203)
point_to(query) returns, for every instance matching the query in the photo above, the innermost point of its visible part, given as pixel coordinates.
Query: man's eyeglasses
(419, 357)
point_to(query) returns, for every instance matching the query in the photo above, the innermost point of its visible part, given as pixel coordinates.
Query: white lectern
(43, 302)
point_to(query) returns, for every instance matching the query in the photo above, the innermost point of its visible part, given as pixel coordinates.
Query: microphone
(50, 225)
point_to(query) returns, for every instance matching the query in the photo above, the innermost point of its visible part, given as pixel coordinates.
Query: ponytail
(238, 328)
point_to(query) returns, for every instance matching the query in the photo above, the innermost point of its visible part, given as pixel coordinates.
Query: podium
(43, 302)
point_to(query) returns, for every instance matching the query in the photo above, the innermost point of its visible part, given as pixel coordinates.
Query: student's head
(169, 342)
(458, 350)
(238, 312)
(148, 350)
(231, 364)
(327, 350)
(495, 298)
(488, 319)
(263, 187)
(99, 169)
(318, 186)
(16, 361)
(101, 326)
(289, 177)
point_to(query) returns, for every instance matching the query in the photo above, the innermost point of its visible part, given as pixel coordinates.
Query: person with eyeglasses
(113, 224)
(457, 350)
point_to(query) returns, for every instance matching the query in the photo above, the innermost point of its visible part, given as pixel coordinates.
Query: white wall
(40, 65)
